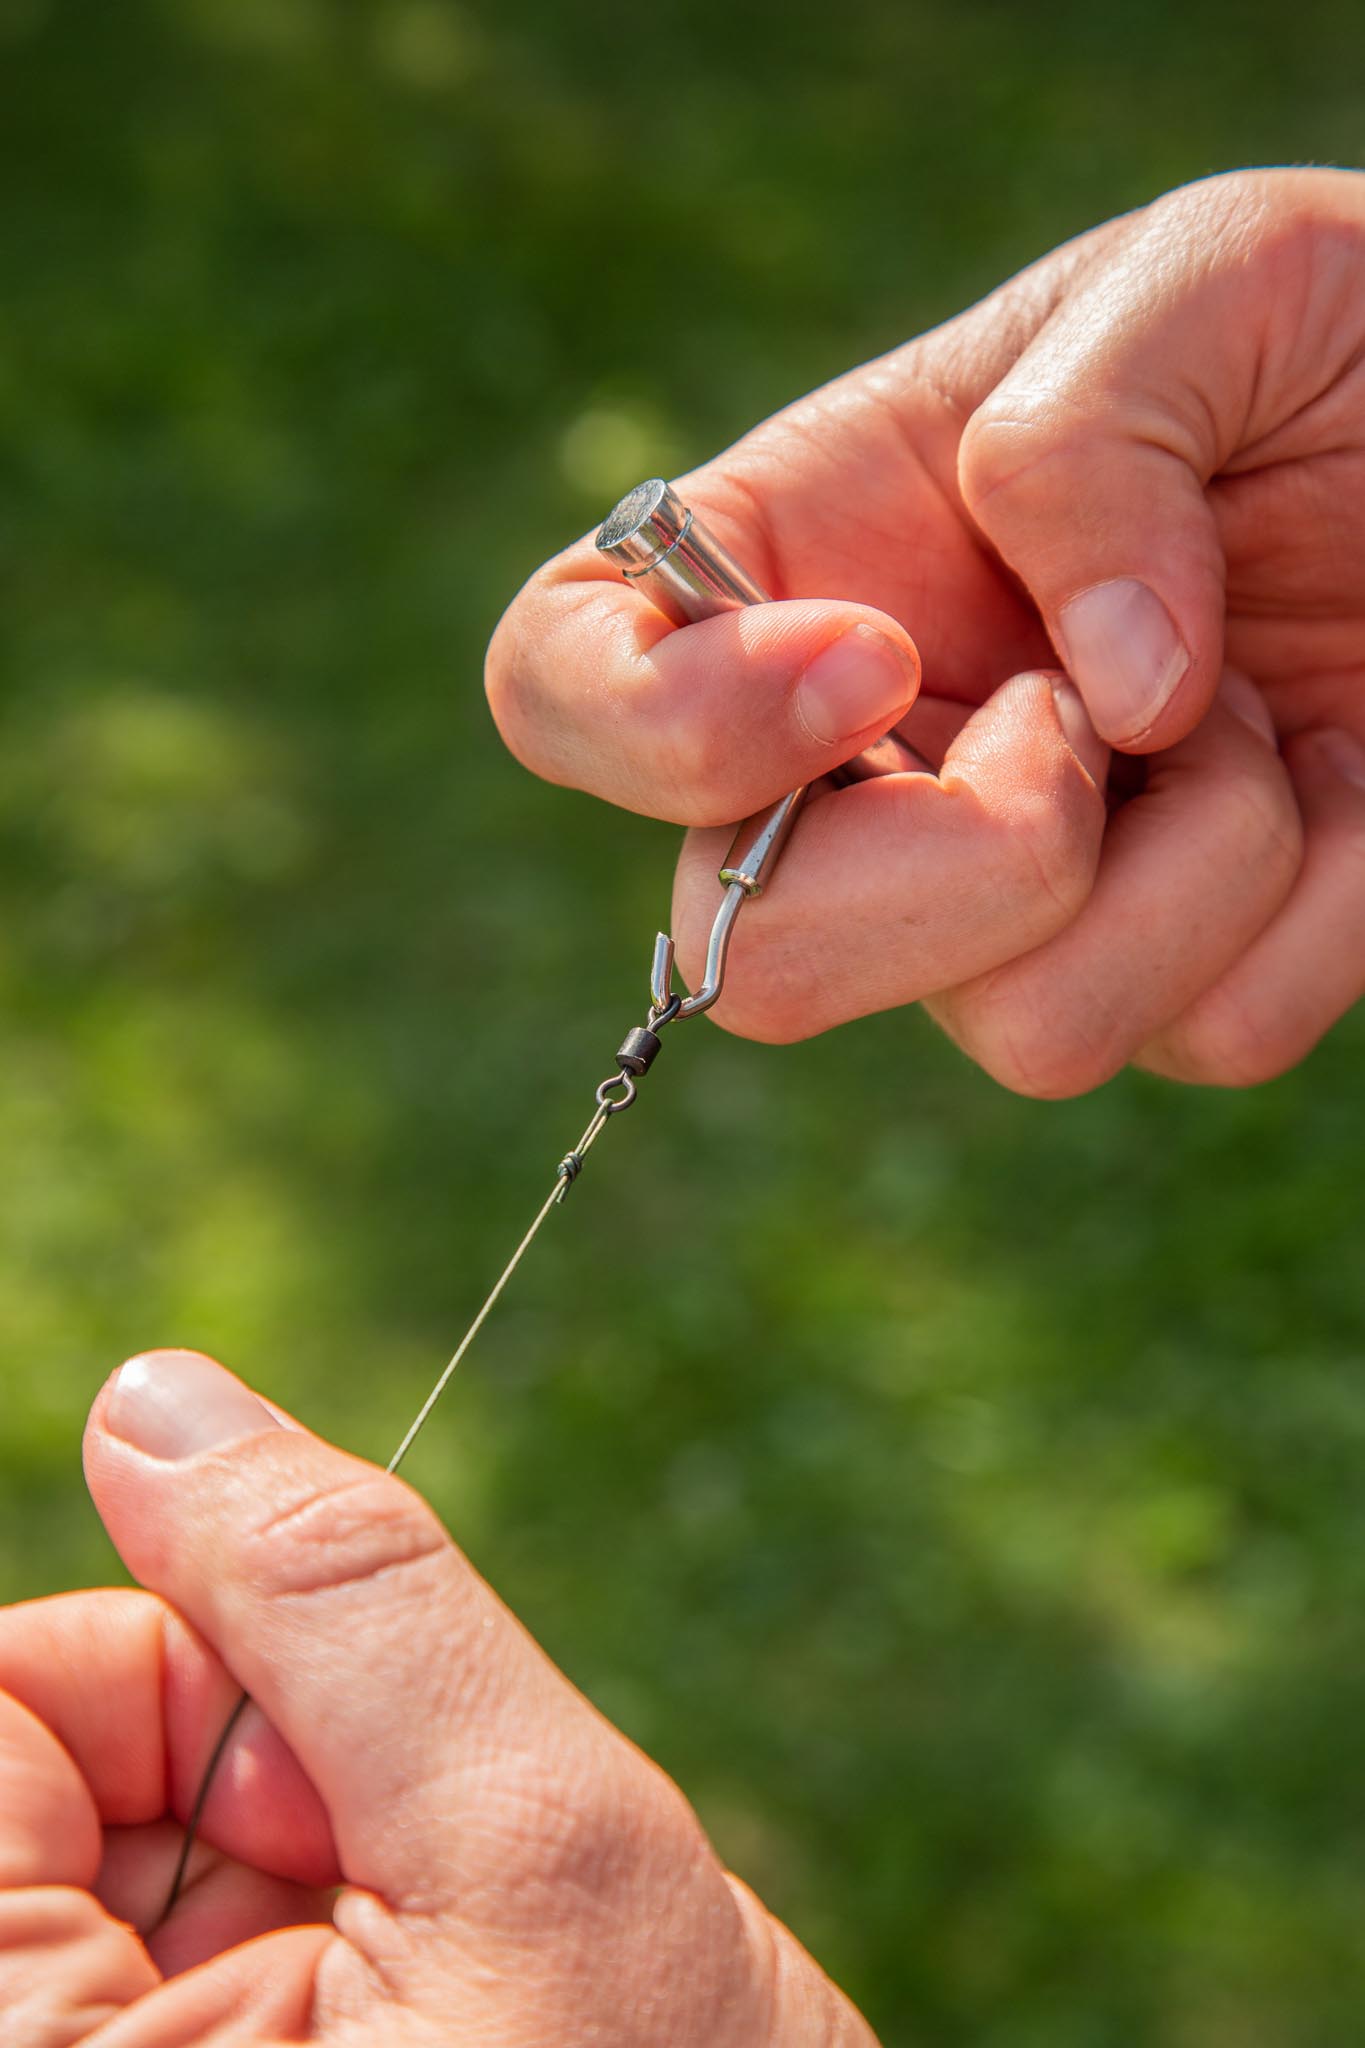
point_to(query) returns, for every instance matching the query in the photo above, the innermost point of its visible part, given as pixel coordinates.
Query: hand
(1145, 456)
(511, 1870)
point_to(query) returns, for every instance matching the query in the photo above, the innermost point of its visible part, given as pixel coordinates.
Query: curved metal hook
(717, 951)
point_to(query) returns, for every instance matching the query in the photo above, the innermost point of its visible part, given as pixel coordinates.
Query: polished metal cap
(644, 527)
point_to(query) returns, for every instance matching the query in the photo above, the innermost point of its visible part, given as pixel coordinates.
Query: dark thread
(197, 1810)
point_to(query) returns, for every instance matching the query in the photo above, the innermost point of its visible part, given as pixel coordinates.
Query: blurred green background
(963, 1497)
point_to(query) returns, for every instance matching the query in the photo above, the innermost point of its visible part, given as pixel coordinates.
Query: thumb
(336, 1599)
(1087, 468)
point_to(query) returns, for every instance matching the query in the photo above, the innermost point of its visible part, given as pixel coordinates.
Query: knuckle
(49, 1913)
(1258, 832)
(1226, 1042)
(999, 442)
(562, 1830)
(1026, 445)
(1037, 1048)
(1049, 868)
(1049, 1067)
(1287, 227)
(1198, 210)
(341, 1533)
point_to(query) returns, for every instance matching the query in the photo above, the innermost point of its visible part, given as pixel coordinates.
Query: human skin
(1142, 459)
(512, 1872)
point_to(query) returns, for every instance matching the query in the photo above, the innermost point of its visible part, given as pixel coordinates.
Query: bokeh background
(963, 1497)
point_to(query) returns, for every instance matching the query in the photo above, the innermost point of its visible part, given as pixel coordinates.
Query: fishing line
(616, 1093)
(667, 554)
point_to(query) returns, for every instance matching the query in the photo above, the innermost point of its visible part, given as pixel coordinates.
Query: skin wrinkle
(1033, 1063)
(350, 1954)
(948, 492)
(1319, 568)
(1224, 1020)
(1050, 860)
(1298, 251)
(987, 423)
(1149, 258)
(1234, 799)
(271, 1540)
(843, 572)
(1010, 1011)
(1265, 374)
(1333, 413)
(617, 1896)
(764, 447)
(1019, 310)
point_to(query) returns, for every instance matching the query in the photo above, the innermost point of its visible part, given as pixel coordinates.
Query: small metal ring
(657, 1018)
(624, 1081)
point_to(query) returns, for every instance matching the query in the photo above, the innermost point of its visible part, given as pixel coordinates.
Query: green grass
(963, 1497)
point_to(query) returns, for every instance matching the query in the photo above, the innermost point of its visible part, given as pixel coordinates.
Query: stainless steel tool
(671, 558)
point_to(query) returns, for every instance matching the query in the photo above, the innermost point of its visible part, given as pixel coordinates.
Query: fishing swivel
(635, 1056)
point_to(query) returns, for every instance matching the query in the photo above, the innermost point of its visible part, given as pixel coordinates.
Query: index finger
(137, 1701)
(592, 686)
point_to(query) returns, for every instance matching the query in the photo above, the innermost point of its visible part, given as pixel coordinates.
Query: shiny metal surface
(717, 952)
(661, 547)
(668, 554)
(661, 971)
(758, 842)
(662, 995)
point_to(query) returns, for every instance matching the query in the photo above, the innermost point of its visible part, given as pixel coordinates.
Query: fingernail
(174, 1403)
(1342, 752)
(860, 679)
(1244, 701)
(1085, 743)
(1120, 645)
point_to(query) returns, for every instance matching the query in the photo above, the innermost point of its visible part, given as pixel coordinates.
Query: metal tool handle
(668, 554)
